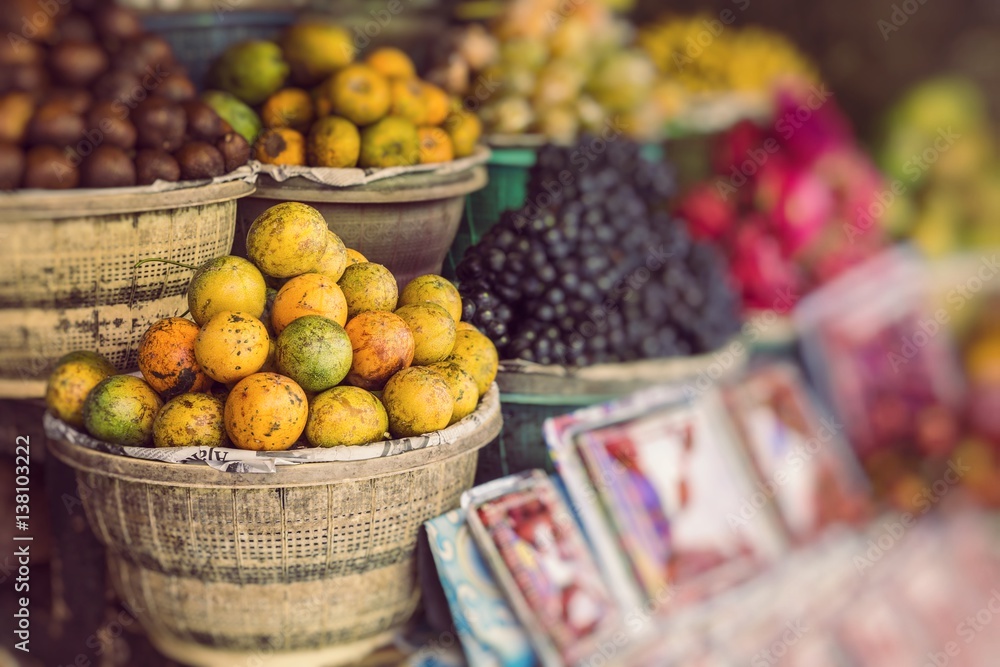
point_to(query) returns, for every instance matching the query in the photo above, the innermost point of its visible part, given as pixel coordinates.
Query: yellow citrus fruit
(408, 101)
(358, 93)
(435, 145)
(464, 128)
(355, 257)
(308, 294)
(120, 410)
(418, 401)
(346, 416)
(226, 283)
(314, 351)
(368, 286)
(190, 420)
(477, 356)
(436, 103)
(287, 239)
(266, 412)
(463, 389)
(466, 326)
(334, 260)
(391, 142)
(433, 332)
(72, 379)
(281, 145)
(231, 346)
(433, 289)
(290, 107)
(382, 345)
(314, 50)
(392, 63)
(166, 358)
(333, 142)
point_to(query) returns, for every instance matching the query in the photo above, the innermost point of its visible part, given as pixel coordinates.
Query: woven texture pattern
(71, 283)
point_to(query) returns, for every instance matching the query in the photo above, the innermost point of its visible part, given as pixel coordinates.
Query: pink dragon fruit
(708, 216)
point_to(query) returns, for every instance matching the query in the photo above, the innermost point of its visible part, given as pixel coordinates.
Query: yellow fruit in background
(433, 332)
(477, 356)
(408, 101)
(287, 239)
(418, 401)
(368, 286)
(314, 351)
(464, 129)
(333, 142)
(316, 50)
(231, 346)
(355, 257)
(391, 142)
(308, 294)
(334, 260)
(346, 416)
(281, 146)
(166, 358)
(358, 93)
(190, 420)
(290, 107)
(982, 361)
(435, 145)
(382, 345)
(266, 412)
(120, 410)
(431, 288)
(436, 103)
(72, 379)
(226, 283)
(392, 63)
(463, 389)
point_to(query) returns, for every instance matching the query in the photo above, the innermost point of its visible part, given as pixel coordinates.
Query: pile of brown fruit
(89, 99)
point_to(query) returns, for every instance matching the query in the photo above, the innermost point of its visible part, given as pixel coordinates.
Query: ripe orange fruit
(166, 358)
(226, 283)
(368, 286)
(287, 239)
(282, 145)
(346, 416)
(392, 63)
(190, 420)
(333, 142)
(433, 332)
(463, 389)
(291, 107)
(464, 128)
(308, 294)
(477, 356)
(334, 260)
(358, 93)
(435, 145)
(382, 345)
(433, 289)
(408, 101)
(266, 412)
(231, 346)
(436, 103)
(391, 142)
(355, 257)
(72, 379)
(418, 401)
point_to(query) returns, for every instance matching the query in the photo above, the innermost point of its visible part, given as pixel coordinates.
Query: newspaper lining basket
(311, 565)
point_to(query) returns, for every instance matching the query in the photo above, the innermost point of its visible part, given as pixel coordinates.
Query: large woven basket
(68, 279)
(311, 565)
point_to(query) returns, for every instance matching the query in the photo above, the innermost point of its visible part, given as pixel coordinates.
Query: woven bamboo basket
(311, 565)
(68, 279)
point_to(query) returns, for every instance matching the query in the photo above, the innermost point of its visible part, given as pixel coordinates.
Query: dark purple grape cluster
(594, 270)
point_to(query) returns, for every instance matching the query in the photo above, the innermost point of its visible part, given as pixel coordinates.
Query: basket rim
(159, 473)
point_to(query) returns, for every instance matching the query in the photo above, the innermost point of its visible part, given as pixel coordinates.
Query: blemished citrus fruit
(226, 283)
(287, 239)
(433, 332)
(418, 401)
(231, 346)
(355, 257)
(289, 107)
(266, 412)
(477, 356)
(382, 345)
(281, 146)
(166, 358)
(463, 389)
(72, 379)
(391, 142)
(333, 142)
(190, 420)
(346, 416)
(358, 93)
(433, 289)
(120, 410)
(368, 286)
(314, 351)
(407, 101)
(392, 63)
(334, 260)
(308, 294)
(466, 326)
(435, 145)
